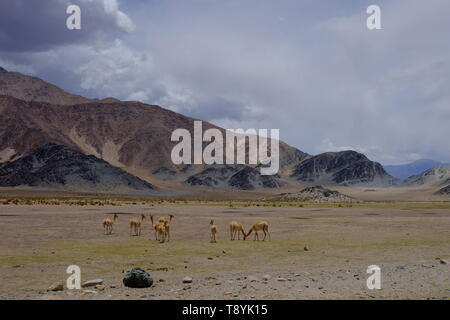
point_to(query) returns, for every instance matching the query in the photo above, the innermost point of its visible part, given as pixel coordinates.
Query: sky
(309, 68)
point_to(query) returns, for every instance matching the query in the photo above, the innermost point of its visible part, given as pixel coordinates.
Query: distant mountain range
(134, 138)
(404, 171)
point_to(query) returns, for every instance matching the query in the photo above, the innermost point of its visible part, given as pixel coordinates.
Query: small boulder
(92, 283)
(187, 280)
(56, 287)
(137, 278)
(252, 279)
(267, 277)
(443, 261)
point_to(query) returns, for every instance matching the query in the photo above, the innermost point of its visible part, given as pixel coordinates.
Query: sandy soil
(38, 243)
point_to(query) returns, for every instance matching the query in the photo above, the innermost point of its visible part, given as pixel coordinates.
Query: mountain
(135, 137)
(29, 88)
(58, 167)
(343, 168)
(436, 176)
(404, 171)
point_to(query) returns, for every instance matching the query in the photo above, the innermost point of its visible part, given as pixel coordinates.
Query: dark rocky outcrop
(444, 191)
(233, 176)
(345, 168)
(56, 166)
(316, 194)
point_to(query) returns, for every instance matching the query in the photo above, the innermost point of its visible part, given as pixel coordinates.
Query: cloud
(30, 26)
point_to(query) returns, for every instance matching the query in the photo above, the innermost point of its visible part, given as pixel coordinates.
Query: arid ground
(409, 241)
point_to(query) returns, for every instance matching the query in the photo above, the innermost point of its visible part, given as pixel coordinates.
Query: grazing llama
(108, 224)
(160, 230)
(135, 225)
(213, 231)
(236, 228)
(166, 222)
(259, 226)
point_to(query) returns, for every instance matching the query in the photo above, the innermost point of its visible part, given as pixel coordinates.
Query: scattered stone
(427, 265)
(56, 287)
(99, 287)
(227, 293)
(267, 277)
(161, 280)
(210, 258)
(112, 286)
(92, 283)
(320, 288)
(17, 266)
(187, 280)
(443, 261)
(281, 279)
(306, 248)
(218, 283)
(252, 279)
(137, 278)
(86, 292)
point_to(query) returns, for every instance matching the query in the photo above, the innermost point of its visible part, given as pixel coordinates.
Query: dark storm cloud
(27, 26)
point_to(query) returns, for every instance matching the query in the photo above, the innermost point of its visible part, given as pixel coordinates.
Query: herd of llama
(162, 228)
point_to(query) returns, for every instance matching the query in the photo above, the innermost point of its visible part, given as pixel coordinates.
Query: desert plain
(316, 251)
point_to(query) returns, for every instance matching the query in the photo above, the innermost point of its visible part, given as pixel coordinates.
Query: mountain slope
(404, 171)
(29, 88)
(437, 176)
(236, 177)
(130, 135)
(58, 167)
